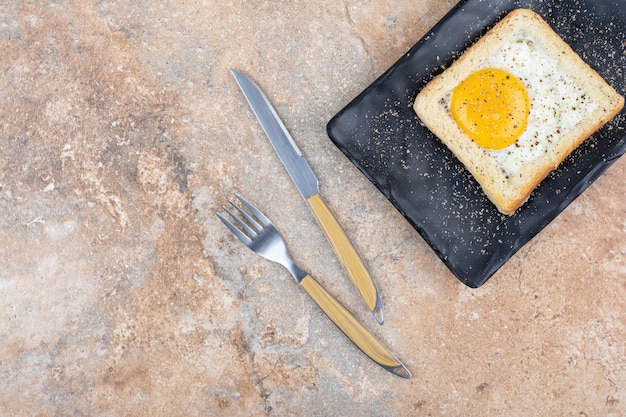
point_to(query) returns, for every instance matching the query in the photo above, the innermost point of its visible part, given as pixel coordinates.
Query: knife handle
(348, 256)
(351, 327)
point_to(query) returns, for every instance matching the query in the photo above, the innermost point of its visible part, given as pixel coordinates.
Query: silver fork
(259, 234)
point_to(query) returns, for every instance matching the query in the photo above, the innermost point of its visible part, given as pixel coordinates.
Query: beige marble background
(122, 133)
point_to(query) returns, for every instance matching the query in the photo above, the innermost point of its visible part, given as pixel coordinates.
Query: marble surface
(122, 133)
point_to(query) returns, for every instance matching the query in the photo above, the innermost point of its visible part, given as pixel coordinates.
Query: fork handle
(351, 327)
(348, 256)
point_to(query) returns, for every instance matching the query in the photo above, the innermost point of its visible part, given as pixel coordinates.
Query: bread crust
(507, 193)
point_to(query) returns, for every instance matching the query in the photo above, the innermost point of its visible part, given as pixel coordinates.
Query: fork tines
(250, 225)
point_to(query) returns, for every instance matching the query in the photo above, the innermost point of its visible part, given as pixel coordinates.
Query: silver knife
(308, 185)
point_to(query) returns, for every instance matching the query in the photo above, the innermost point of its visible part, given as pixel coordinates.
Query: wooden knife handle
(351, 327)
(348, 256)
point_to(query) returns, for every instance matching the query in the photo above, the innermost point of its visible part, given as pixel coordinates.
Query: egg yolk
(491, 106)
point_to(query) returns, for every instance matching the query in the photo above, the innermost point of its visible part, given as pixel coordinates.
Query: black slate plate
(379, 132)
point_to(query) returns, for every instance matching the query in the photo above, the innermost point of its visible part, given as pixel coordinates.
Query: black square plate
(379, 132)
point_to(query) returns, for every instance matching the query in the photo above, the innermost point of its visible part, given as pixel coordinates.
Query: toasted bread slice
(569, 101)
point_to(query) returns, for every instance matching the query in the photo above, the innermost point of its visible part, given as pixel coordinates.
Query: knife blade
(307, 183)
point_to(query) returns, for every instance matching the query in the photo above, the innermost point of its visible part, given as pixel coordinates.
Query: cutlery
(259, 234)
(308, 185)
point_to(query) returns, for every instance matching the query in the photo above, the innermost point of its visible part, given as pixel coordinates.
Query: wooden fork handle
(351, 327)
(348, 256)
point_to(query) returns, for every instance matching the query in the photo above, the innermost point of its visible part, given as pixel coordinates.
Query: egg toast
(515, 105)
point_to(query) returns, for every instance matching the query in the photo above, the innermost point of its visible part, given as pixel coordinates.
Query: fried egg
(518, 105)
